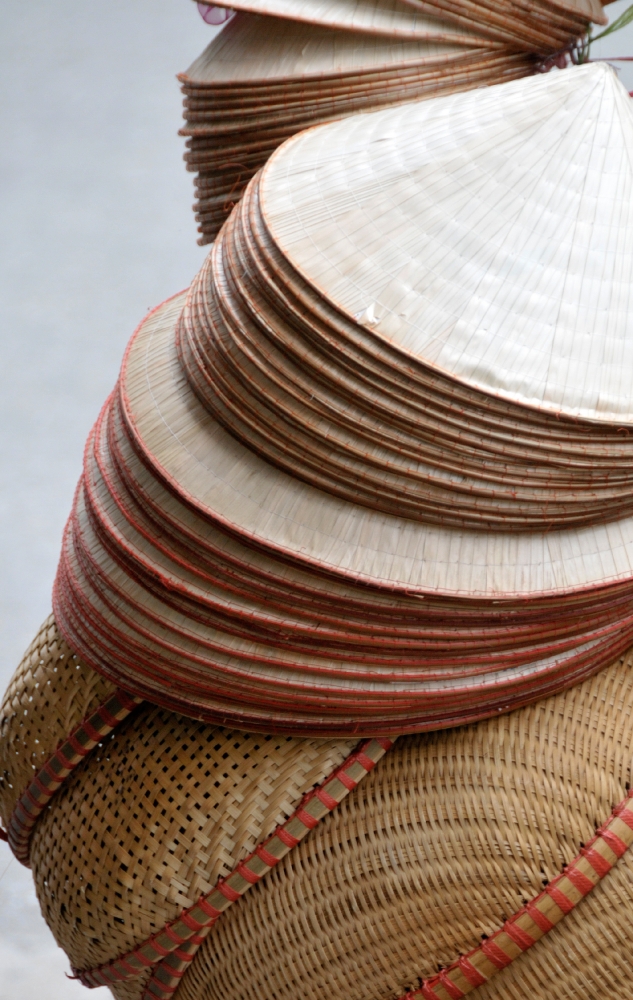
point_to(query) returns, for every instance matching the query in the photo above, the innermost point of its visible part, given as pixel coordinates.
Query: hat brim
(229, 484)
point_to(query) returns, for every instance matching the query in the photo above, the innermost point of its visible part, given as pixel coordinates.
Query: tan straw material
(442, 842)
(281, 55)
(454, 832)
(233, 789)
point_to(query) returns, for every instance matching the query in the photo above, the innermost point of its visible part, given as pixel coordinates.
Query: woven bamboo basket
(449, 836)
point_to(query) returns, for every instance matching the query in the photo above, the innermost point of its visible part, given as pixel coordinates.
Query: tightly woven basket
(451, 834)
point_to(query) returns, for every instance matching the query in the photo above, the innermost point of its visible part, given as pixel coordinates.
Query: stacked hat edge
(552, 604)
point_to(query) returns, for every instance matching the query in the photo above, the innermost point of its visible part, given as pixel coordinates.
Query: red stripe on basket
(616, 844)
(108, 719)
(491, 950)
(31, 805)
(159, 948)
(540, 919)
(179, 931)
(364, 760)
(265, 856)
(328, 800)
(247, 874)
(521, 938)
(193, 925)
(205, 906)
(183, 956)
(94, 734)
(129, 967)
(468, 970)
(127, 701)
(227, 892)
(78, 748)
(348, 782)
(624, 814)
(307, 820)
(43, 789)
(35, 799)
(177, 940)
(599, 864)
(580, 881)
(496, 954)
(453, 991)
(53, 775)
(562, 901)
(65, 762)
(287, 838)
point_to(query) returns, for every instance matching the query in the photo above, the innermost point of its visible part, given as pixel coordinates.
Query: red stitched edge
(49, 779)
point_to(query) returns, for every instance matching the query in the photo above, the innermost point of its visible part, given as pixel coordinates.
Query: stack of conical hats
(264, 78)
(371, 474)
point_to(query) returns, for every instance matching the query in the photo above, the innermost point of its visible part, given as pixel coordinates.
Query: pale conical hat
(383, 17)
(285, 53)
(333, 237)
(489, 235)
(218, 559)
(536, 23)
(263, 79)
(419, 266)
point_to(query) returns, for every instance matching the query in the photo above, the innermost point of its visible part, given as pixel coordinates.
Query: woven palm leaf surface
(447, 837)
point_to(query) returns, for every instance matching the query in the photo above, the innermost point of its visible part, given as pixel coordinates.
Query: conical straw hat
(227, 145)
(287, 54)
(393, 18)
(419, 242)
(334, 405)
(542, 23)
(354, 617)
(489, 235)
(263, 79)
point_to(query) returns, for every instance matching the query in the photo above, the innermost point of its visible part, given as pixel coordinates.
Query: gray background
(96, 229)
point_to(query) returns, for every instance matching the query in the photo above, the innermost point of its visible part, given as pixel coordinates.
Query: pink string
(214, 15)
